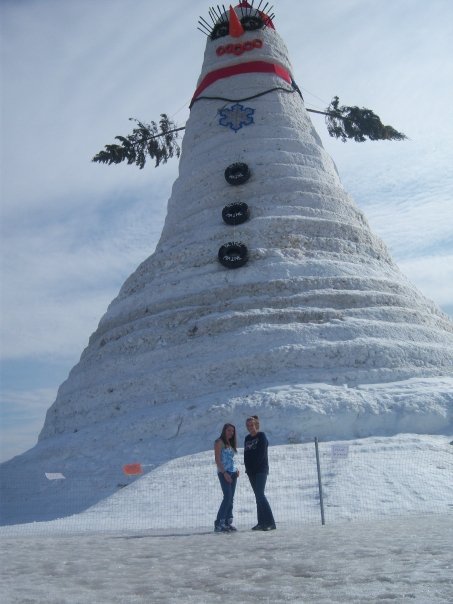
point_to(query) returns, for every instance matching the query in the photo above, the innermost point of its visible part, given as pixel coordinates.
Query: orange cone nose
(236, 28)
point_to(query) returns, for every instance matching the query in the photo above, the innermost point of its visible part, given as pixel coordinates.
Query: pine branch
(357, 124)
(158, 141)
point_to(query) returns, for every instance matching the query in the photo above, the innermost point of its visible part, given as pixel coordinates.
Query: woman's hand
(227, 477)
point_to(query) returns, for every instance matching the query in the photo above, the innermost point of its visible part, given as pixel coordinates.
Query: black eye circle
(220, 30)
(250, 23)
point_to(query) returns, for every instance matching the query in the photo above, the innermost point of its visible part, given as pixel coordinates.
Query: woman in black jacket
(257, 469)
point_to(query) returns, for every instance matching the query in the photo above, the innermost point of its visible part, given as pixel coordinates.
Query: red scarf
(250, 67)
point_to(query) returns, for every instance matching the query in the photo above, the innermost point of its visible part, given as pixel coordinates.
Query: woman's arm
(261, 449)
(218, 459)
(218, 455)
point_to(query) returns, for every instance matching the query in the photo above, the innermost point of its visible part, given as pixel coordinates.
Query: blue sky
(72, 231)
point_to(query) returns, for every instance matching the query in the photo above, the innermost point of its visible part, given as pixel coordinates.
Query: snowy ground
(387, 537)
(398, 560)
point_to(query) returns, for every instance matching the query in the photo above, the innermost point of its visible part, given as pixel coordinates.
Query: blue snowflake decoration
(236, 116)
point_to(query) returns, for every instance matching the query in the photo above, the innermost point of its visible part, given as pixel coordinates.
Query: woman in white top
(225, 447)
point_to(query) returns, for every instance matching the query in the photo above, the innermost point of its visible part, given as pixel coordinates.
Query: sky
(384, 540)
(72, 231)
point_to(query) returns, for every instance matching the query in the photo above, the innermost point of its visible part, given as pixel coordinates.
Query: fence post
(318, 466)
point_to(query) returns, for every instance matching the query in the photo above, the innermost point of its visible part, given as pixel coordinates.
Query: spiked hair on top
(250, 17)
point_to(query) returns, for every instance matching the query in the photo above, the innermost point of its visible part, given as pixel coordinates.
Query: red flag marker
(132, 469)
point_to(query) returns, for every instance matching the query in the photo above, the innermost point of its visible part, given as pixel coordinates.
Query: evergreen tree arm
(158, 141)
(358, 124)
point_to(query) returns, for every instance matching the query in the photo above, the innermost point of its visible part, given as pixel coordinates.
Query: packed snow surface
(387, 536)
(91, 458)
(382, 561)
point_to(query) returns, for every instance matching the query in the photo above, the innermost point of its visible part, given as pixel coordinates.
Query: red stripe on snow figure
(241, 68)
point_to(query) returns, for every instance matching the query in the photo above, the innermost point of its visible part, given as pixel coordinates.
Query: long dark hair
(233, 443)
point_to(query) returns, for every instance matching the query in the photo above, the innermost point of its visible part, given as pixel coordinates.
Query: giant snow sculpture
(267, 291)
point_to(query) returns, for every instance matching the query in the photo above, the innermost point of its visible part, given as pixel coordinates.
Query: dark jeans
(263, 509)
(225, 513)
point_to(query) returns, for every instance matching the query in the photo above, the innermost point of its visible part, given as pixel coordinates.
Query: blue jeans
(225, 513)
(263, 509)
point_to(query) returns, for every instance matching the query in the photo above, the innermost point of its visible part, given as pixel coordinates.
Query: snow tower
(266, 285)
(267, 292)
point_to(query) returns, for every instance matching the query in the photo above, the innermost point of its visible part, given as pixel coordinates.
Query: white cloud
(433, 275)
(22, 417)
(62, 277)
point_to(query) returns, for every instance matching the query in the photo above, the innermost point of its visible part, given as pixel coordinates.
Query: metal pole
(321, 501)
